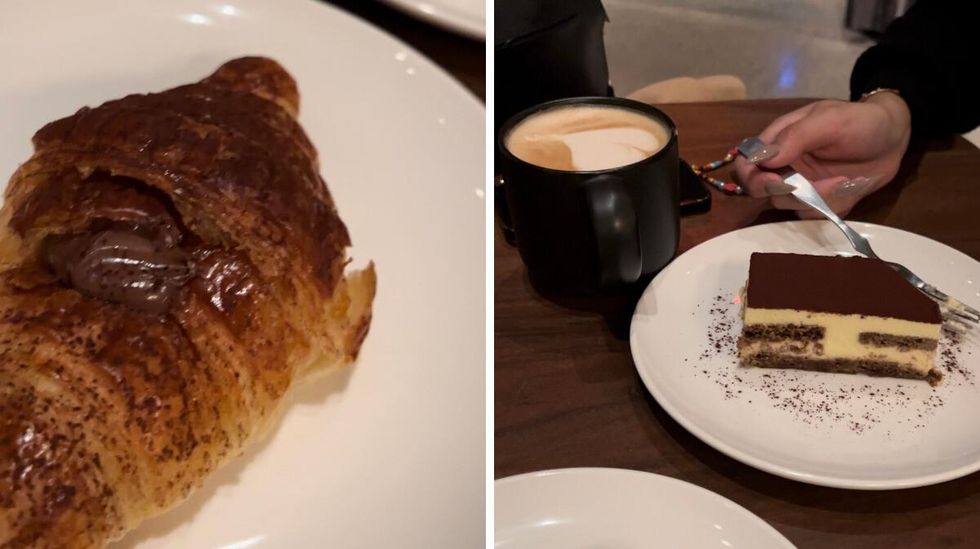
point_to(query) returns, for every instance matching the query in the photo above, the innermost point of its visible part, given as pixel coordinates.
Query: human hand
(848, 150)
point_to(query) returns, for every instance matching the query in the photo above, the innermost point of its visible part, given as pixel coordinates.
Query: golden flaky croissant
(170, 264)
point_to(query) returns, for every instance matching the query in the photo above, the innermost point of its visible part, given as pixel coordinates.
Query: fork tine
(950, 313)
(949, 307)
(952, 302)
(956, 325)
(959, 315)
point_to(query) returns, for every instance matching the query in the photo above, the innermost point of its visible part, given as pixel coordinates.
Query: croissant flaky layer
(170, 264)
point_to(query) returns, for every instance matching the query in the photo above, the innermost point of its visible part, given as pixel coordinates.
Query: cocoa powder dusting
(859, 406)
(948, 356)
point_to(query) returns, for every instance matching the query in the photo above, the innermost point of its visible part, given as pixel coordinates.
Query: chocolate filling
(129, 251)
(128, 245)
(225, 277)
(878, 368)
(120, 265)
(902, 343)
(780, 332)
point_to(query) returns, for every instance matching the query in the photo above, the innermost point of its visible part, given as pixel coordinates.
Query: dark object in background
(587, 232)
(929, 55)
(695, 197)
(544, 50)
(553, 49)
(503, 212)
(547, 49)
(874, 16)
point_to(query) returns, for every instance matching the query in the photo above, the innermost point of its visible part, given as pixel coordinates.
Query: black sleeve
(930, 55)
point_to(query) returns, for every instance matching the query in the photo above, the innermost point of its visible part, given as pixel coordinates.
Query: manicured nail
(765, 153)
(777, 188)
(853, 187)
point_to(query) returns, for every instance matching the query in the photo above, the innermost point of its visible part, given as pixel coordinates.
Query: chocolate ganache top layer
(838, 285)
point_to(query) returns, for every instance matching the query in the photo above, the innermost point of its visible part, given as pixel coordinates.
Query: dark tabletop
(567, 393)
(462, 57)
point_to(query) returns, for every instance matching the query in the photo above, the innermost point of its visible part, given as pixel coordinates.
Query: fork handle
(805, 192)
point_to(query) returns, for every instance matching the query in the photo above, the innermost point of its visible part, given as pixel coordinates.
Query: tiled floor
(778, 47)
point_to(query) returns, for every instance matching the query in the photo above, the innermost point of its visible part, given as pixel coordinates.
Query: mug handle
(615, 227)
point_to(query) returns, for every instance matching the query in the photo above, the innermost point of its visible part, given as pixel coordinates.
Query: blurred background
(779, 48)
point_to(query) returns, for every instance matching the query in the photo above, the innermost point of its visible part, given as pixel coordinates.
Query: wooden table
(567, 393)
(462, 57)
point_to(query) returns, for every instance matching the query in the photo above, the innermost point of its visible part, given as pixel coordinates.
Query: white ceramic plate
(620, 509)
(466, 17)
(847, 431)
(391, 452)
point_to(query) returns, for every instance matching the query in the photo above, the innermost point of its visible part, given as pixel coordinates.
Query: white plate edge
(648, 476)
(761, 463)
(461, 25)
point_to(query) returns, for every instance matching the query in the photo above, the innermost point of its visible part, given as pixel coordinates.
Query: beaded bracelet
(723, 186)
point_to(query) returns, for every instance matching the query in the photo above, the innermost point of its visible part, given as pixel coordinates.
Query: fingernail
(853, 187)
(764, 153)
(777, 188)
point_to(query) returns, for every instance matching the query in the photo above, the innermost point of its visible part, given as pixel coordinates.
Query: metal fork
(953, 310)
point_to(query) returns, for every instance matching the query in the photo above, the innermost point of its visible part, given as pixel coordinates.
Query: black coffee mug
(582, 232)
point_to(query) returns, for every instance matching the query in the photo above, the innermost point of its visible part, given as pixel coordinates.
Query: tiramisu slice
(837, 314)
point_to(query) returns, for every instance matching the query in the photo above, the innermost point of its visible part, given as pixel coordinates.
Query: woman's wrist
(895, 106)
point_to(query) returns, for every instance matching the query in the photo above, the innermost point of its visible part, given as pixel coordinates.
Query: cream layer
(846, 323)
(918, 360)
(841, 333)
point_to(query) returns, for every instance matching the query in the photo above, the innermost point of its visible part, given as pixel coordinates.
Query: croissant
(170, 265)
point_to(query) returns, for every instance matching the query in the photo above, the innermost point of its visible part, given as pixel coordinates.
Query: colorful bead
(724, 186)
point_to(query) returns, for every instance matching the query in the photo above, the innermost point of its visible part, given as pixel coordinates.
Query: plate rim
(405, 45)
(441, 19)
(644, 476)
(762, 463)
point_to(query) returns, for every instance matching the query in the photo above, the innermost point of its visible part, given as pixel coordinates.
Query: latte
(581, 138)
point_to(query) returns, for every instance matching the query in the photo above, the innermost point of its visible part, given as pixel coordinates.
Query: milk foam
(609, 147)
(586, 138)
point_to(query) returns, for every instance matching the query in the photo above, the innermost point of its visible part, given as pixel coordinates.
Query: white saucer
(621, 509)
(847, 431)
